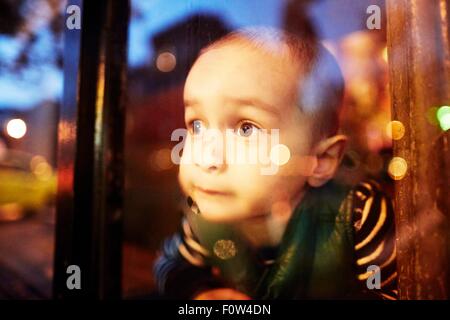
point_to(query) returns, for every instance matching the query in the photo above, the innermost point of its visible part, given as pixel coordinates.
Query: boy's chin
(218, 214)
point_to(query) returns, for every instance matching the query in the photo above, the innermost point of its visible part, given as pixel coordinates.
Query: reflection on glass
(161, 53)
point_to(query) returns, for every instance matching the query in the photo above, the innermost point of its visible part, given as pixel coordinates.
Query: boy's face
(246, 90)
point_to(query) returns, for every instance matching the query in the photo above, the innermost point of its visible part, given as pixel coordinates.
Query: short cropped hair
(321, 85)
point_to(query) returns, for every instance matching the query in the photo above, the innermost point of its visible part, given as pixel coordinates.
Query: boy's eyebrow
(190, 102)
(240, 101)
(255, 102)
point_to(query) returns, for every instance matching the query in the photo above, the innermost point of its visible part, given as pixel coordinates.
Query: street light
(16, 128)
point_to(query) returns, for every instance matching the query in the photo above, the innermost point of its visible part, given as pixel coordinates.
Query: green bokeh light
(443, 116)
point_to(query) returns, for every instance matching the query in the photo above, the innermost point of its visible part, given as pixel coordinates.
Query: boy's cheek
(254, 189)
(183, 179)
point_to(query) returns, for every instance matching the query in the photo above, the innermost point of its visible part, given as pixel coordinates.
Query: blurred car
(27, 184)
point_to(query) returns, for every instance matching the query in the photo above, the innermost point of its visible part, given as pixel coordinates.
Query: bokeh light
(166, 62)
(443, 116)
(280, 154)
(11, 212)
(41, 168)
(16, 128)
(397, 168)
(225, 249)
(35, 161)
(395, 130)
(160, 160)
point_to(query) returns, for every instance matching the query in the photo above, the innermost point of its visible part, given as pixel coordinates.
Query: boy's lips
(211, 191)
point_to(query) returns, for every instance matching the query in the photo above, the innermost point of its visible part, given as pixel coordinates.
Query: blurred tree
(27, 22)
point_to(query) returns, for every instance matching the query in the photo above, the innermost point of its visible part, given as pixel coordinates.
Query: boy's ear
(329, 153)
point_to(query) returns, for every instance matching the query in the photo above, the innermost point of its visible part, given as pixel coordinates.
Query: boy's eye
(197, 127)
(247, 129)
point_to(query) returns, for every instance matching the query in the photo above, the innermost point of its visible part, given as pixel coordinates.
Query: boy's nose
(212, 157)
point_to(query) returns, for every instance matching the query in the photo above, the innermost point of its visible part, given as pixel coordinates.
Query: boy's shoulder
(362, 195)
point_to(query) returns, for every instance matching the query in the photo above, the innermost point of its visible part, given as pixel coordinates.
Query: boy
(292, 233)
